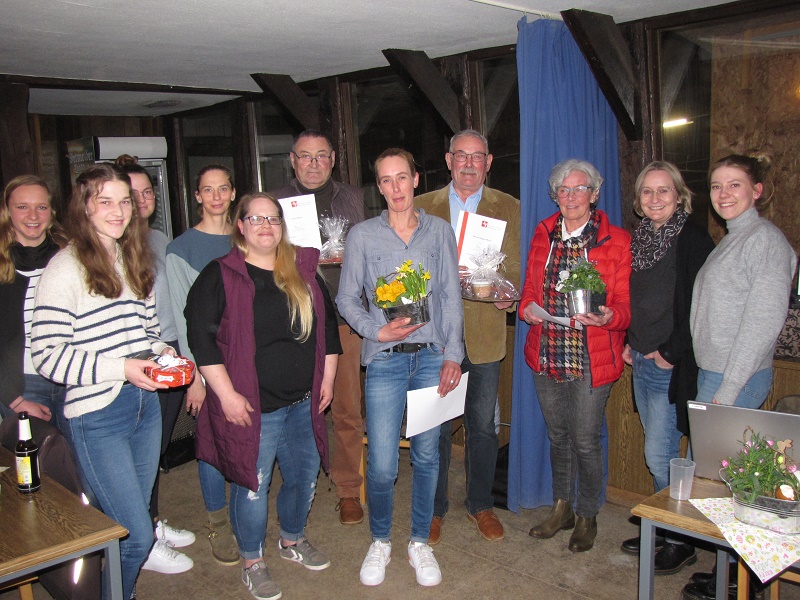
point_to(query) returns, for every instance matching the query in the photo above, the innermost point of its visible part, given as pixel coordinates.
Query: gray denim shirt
(374, 249)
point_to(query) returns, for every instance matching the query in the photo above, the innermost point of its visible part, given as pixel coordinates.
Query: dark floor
(515, 567)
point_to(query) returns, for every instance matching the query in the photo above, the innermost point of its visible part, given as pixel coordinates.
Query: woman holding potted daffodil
(575, 368)
(405, 261)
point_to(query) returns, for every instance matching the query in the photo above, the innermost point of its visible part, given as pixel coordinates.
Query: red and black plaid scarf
(561, 348)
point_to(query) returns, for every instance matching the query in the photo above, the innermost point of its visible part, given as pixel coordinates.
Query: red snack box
(175, 371)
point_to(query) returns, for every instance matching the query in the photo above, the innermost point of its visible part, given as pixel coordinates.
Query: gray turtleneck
(740, 302)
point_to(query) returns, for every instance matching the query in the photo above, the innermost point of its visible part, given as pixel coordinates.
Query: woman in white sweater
(94, 311)
(741, 295)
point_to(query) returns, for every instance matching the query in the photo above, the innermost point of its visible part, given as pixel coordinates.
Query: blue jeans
(389, 376)
(662, 440)
(286, 434)
(480, 445)
(117, 447)
(574, 413)
(753, 394)
(212, 484)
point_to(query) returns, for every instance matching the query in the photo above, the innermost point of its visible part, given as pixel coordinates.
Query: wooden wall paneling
(180, 193)
(335, 96)
(16, 148)
(243, 146)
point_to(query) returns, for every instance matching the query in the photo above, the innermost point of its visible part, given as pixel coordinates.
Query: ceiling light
(676, 123)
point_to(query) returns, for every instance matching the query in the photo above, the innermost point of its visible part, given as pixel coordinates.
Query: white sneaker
(424, 563)
(163, 559)
(177, 537)
(373, 569)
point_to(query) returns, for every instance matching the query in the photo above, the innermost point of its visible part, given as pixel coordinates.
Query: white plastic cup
(681, 473)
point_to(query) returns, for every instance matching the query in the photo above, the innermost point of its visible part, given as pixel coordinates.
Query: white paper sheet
(302, 222)
(474, 233)
(541, 313)
(426, 410)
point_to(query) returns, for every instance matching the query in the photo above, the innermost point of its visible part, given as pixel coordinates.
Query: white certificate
(302, 222)
(476, 233)
(426, 410)
(542, 314)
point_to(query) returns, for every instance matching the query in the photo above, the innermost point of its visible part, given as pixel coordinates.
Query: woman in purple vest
(263, 331)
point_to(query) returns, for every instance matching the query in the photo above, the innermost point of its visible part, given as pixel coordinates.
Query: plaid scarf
(561, 348)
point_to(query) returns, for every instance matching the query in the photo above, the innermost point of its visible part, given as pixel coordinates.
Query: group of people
(277, 339)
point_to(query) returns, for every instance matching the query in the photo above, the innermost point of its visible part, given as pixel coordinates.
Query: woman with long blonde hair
(262, 328)
(29, 237)
(94, 313)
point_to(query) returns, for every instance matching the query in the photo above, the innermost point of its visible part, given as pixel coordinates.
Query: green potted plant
(404, 294)
(765, 483)
(579, 284)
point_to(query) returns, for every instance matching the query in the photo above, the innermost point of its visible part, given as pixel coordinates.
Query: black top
(285, 366)
(652, 318)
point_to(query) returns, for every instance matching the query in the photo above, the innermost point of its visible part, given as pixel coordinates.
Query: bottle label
(24, 471)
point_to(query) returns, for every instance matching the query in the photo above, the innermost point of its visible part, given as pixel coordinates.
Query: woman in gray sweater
(741, 295)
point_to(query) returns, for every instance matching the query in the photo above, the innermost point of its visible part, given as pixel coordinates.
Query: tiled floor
(515, 567)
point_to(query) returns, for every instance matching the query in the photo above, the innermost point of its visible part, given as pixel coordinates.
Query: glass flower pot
(419, 312)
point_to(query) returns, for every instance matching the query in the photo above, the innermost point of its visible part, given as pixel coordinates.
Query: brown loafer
(435, 533)
(489, 526)
(350, 511)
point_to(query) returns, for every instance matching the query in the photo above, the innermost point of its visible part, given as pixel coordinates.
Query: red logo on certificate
(294, 203)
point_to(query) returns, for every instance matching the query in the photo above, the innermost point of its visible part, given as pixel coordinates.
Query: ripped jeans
(286, 435)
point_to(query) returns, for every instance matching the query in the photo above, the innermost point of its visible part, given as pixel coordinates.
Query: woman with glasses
(668, 251)
(263, 330)
(163, 558)
(575, 368)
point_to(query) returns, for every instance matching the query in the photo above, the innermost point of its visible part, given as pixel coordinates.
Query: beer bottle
(27, 454)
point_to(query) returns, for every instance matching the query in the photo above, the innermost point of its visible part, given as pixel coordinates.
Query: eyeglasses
(662, 192)
(307, 159)
(477, 157)
(578, 190)
(256, 220)
(147, 194)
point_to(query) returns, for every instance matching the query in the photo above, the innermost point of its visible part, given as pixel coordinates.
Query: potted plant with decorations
(580, 283)
(404, 294)
(765, 483)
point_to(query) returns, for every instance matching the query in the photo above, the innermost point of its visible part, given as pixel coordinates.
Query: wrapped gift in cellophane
(335, 230)
(485, 283)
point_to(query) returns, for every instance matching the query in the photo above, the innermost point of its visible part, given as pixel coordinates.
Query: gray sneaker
(305, 554)
(260, 582)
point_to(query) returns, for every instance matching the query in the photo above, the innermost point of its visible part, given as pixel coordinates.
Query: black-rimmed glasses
(257, 220)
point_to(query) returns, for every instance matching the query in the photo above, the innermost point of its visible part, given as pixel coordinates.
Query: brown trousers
(348, 423)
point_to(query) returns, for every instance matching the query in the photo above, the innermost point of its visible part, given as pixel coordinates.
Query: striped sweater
(82, 339)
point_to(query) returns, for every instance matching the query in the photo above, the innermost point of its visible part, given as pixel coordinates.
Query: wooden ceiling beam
(415, 68)
(611, 63)
(291, 96)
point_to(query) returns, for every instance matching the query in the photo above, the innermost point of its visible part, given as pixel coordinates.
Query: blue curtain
(563, 114)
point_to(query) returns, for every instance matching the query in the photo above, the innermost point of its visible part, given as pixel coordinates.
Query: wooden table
(50, 527)
(680, 516)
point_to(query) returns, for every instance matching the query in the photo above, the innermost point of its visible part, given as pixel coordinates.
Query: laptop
(716, 432)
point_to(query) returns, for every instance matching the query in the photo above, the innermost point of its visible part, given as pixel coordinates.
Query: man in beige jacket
(469, 162)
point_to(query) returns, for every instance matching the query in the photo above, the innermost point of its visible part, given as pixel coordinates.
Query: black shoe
(631, 546)
(673, 557)
(701, 577)
(708, 591)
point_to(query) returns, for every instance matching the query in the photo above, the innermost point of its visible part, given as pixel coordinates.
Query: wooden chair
(790, 574)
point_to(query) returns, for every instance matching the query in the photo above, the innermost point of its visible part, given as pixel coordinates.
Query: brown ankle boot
(582, 539)
(560, 517)
(223, 543)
